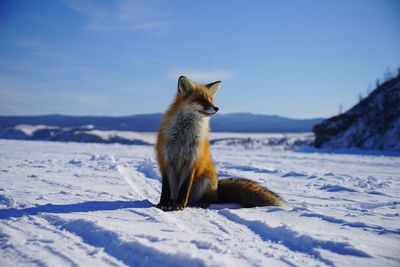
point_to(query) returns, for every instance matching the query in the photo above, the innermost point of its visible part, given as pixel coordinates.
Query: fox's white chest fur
(182, 148)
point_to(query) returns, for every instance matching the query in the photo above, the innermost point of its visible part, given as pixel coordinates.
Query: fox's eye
(203, 102)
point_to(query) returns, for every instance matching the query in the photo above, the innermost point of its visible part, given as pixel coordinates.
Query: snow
(107, 135)
(82, 204)
(30, 129)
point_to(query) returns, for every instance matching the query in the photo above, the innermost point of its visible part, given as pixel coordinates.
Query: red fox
(183, 153)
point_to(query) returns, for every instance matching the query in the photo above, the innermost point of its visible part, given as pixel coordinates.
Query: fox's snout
(210, 110)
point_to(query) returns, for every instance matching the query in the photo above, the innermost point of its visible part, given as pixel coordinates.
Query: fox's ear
(185, 86)
(213, 87)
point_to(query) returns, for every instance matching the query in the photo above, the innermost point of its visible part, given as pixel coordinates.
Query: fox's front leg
(165, 193)
(183, 195)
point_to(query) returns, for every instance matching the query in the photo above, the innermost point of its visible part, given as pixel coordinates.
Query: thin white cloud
(91, 99)
(19, 97)
(39, 48)
(203, 76)
(25, 66)
(122, 15)
(34, 44)
(14, 96)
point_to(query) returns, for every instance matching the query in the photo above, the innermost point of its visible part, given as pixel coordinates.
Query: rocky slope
(373, 123)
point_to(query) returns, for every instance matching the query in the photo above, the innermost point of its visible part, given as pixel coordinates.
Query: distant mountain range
(234, 122)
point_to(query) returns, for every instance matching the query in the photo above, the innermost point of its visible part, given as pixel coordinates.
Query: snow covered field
(75, 204)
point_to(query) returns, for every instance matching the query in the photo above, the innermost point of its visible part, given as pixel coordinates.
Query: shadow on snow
(78, 207)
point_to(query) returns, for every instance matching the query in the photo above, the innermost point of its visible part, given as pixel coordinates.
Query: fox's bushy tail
(247, 193)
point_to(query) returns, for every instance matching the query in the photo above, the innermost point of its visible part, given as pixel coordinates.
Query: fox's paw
(179, 206)
(163, 206)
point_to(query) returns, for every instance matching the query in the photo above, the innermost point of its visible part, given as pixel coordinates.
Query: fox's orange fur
(183, 154)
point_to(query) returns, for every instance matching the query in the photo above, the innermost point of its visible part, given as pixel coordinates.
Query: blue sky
(299, 59)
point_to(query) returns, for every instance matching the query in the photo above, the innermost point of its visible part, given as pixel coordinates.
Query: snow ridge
(89, 206)
(131, 253)
(294, 240)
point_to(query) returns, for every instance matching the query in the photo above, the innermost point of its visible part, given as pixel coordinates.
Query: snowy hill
(236, 122)
(374, 123)
(75, 204)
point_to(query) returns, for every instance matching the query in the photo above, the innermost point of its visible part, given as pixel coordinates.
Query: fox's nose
(216, 109)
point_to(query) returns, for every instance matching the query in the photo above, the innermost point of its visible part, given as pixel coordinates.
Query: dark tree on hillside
(360, 97)
(340, 108)
(369, 89)
(388, 75)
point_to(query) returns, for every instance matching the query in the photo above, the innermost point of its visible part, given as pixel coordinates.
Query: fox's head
(196, 98)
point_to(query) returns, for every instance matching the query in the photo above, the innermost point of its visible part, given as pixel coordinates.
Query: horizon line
(161, 113)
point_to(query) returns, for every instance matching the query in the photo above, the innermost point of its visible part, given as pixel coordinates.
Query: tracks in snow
(294, 240)
(131, 253)
(143, 182)
(33, 241)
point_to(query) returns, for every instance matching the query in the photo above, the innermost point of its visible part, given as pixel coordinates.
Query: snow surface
(75, 204)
